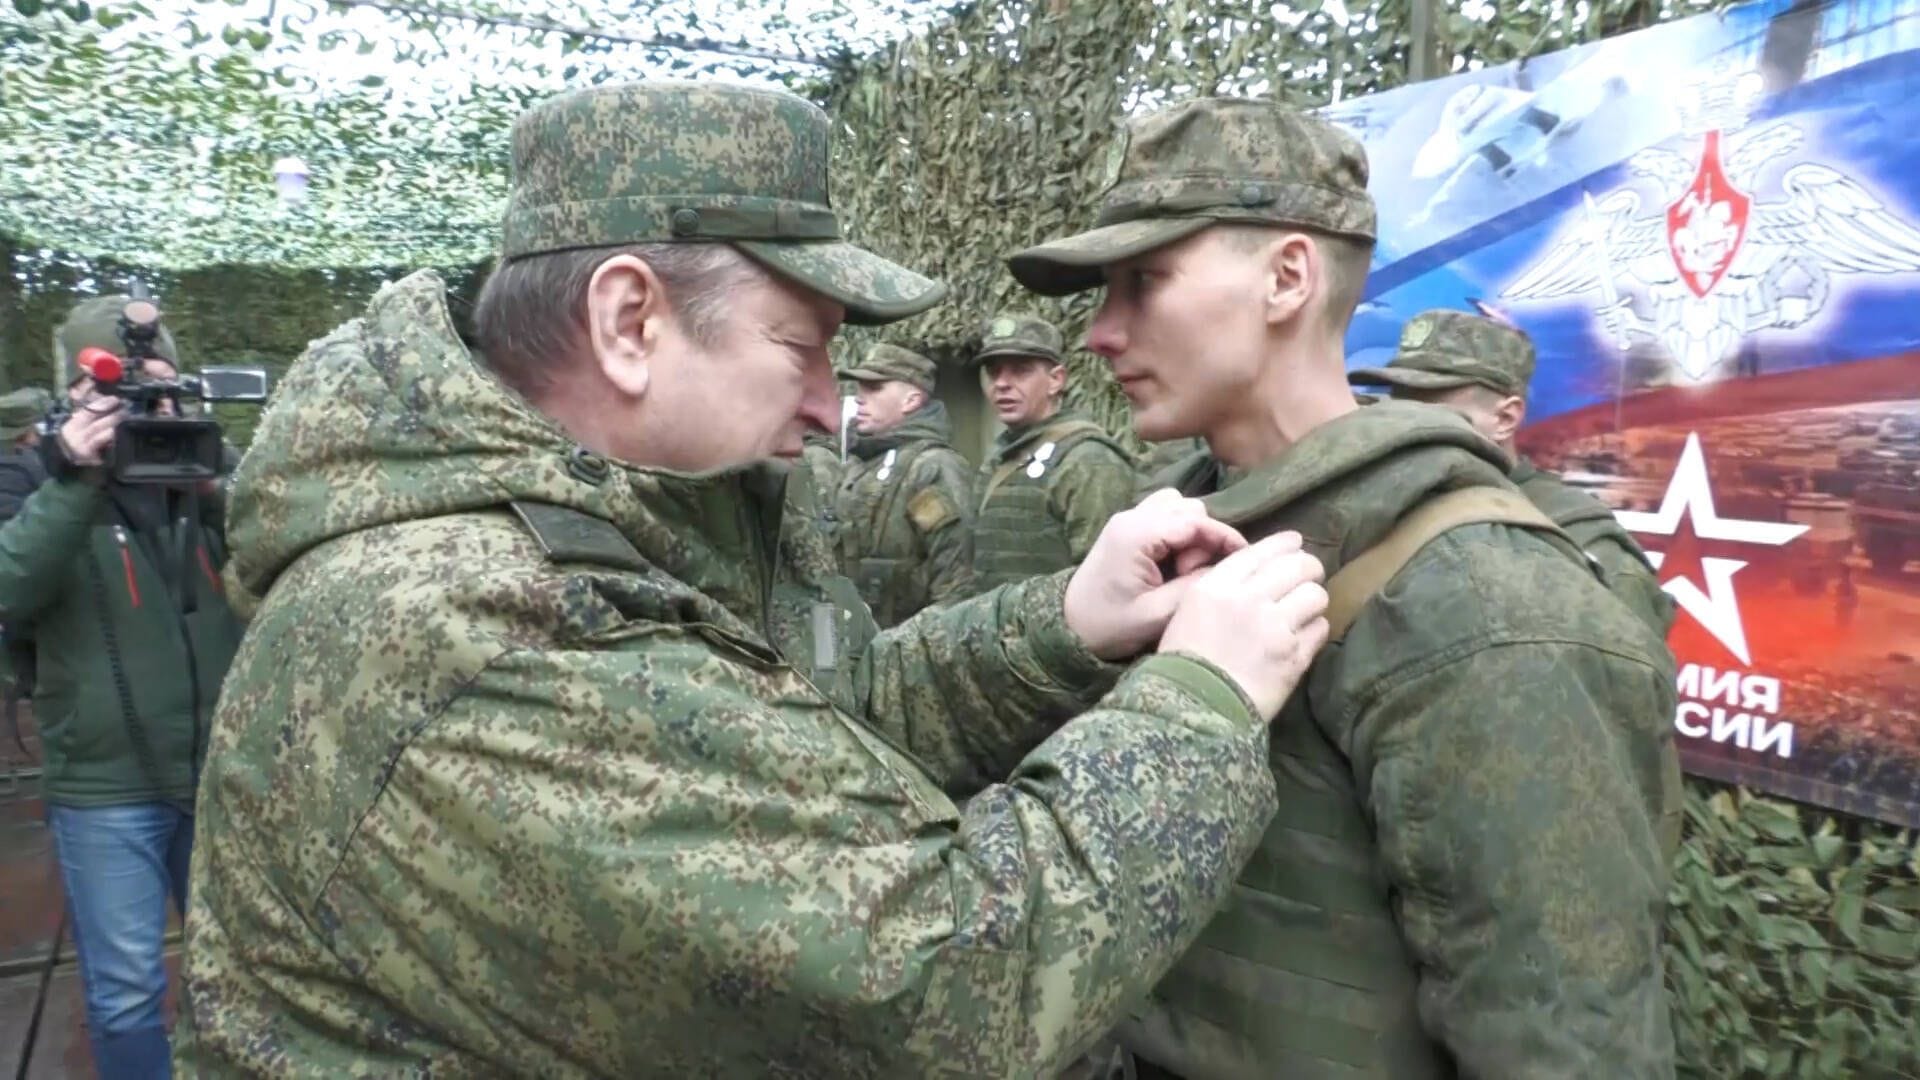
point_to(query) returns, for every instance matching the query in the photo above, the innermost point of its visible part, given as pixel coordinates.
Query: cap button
(1250, 195)
(685, 222)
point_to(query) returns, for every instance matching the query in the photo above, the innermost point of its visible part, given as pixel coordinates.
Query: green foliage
(245, 315)
(147, 130)
(1794, 941)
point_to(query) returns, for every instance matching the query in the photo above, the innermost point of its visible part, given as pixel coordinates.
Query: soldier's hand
(89, 431)
(1120, 598)
(1258, 616)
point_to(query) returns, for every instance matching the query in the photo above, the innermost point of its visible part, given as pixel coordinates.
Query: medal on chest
(886, 464)
(1037, 465)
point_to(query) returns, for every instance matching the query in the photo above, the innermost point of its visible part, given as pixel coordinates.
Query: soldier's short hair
(1347, 259)
(531, 317)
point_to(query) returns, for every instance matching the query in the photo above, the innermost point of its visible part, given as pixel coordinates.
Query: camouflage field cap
(679, 162)
(1019, 334)
(20, 409)
(95, 323)
(1442, 350)
(891, 363)
(1208, 161)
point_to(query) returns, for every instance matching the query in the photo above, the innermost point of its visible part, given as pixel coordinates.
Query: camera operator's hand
(1258, 616)
(88, 433)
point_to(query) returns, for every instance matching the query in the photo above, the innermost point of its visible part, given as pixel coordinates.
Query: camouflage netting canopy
(150, 131)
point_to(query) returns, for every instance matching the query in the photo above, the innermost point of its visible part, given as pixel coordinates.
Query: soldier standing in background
(904, 504)
(1481, 369)
(1054, 477)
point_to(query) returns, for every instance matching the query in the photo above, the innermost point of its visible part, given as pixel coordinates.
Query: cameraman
(120, 586)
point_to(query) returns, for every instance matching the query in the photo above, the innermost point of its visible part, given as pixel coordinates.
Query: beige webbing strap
(1057, 434)
(1355, 583)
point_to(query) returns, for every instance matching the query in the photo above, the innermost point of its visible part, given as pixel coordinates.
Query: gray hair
(531, 317)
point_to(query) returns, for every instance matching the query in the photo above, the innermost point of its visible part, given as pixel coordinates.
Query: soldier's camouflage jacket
(536, 764)
(1592, 525)
(1464, 875)
(904, 517)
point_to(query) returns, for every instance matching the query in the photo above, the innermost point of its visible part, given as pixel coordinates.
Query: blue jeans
(118, 865)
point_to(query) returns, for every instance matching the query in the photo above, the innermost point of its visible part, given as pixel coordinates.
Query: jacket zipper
(206, 565)
(126, 564)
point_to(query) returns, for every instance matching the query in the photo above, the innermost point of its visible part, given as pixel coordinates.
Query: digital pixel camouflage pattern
(1046, 491)
(1018, 333)
(904, 515)
(683, 162)
(1592, 525)
(1465, 875)
(1445, 350)
(891, 363)
(1204, 162)
(537, 764)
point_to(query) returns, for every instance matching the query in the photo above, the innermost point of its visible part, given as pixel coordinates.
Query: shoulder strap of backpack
(1355, 583)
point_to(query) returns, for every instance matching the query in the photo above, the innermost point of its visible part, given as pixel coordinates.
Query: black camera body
(156, 444)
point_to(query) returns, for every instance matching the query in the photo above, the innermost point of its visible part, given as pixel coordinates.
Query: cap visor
(1073, 264)
(1410, 378)
(860, 374)
(990, 354)
(872, 289)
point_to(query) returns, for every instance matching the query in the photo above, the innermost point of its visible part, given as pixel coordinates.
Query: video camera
(152, 446)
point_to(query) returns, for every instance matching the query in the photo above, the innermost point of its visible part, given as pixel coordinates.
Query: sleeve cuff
(75, 495)
(1056, 649)
(1213, 687)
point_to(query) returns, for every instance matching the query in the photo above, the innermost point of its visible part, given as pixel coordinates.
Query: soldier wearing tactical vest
(1465, 874)
(1054, 477)
(1481, 369)
(904, 505)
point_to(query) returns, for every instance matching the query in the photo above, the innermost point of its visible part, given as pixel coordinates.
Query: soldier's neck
(1053, 410)
(1279, 413)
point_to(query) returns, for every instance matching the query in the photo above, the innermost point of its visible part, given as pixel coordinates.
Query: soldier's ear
(1056, 380)
(626, 320)
(1508, 416)
(1294, 264)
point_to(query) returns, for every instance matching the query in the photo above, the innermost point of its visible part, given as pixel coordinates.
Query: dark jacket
(132, 631)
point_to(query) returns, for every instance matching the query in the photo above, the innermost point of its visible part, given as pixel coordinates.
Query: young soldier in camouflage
(1481, 369)
(1463, 876)
(1054, 477)
(549, 754)
(904, 507)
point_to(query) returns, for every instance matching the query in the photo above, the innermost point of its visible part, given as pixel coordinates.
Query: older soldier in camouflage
(1464, 875)
(549, 753)
(1482, 370)
(1054, 476)
(904, 506)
